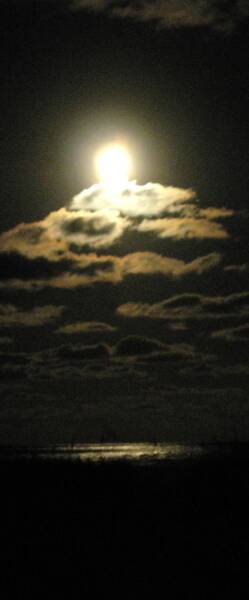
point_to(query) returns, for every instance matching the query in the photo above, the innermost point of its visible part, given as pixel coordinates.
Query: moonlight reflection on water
(107, 452)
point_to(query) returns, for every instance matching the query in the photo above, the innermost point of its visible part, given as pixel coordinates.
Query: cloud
(216, 14)
(135, 345)
(149, 263)
(244, 268)
(130, 356)
(53, 235)
(212, 212)
(184, 228)
(134, 200)
(70, 361)
(82, 227)
(189, 307)
(63, 249)
(12, 316)
(82, 352)
(233, 334)
(89, 269)
(97, 218)
(85, 327)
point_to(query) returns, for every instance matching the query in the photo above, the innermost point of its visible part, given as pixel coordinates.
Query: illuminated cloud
(212, 212)
(219, 15)
(85, 327)
(184, 228)
(97, 218)
(149, 263)
(53, 235)
(89, 269)
(82, 227)
(189, 307)
(244, 268)
(11, 316)
(134, 200)
(60, 251)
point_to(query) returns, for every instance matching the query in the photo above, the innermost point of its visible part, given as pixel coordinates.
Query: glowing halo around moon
(113, 166)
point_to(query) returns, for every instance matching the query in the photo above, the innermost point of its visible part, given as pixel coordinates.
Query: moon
(113, 166)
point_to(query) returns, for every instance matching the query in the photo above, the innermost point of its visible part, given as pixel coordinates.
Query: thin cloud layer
(77, 360)
(218, 15)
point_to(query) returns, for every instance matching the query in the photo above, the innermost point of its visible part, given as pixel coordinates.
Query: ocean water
(142, 453)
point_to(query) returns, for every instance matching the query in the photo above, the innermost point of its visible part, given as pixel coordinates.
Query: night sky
(124, 316)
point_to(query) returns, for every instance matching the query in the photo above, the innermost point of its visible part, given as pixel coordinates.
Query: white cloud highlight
(134, 200)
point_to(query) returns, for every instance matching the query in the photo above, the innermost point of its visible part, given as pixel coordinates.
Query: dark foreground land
(71, 529)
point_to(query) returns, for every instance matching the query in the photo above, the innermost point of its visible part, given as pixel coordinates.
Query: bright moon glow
(113, 166)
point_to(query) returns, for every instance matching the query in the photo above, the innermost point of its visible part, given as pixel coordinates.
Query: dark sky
(124, 317)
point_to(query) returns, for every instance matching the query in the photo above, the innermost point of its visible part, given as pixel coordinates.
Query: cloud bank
(63, 249)
(97, 218)
(215, 14)
(91, 269)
